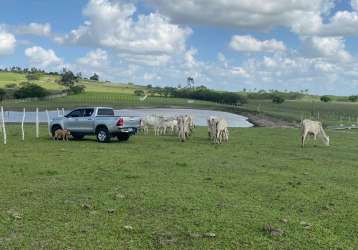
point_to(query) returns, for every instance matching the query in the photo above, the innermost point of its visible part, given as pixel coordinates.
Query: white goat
(313, 128)
(183, 128)
(222, 131)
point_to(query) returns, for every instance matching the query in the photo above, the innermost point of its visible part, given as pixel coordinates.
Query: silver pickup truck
(99, 121)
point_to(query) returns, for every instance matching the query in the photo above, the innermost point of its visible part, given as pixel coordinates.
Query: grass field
(155, 192)
(115, 100)
(50, 82)
(331, 113)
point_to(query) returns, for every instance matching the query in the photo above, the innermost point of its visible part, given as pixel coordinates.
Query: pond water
(200, 116)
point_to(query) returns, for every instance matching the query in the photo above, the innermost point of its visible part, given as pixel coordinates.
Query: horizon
(223, 45)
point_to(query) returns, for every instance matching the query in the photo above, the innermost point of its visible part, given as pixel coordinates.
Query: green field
(155, 192)
(122, 96)
(332, 113)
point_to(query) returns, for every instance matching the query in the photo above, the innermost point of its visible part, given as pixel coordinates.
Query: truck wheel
(77, 136)
(102, 135)
(123, 136)
(54, 128)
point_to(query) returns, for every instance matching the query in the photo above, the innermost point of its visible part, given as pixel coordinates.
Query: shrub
(11, 86)
(77, 89)
(353, 98)
(33, 77)
(278, 99)
(29, 90)
(2, 94)
(325, 98)
(139, 92)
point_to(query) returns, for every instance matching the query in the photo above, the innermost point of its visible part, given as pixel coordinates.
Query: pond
(199, 115)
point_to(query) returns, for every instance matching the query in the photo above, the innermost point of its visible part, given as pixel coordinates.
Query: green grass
(331, 113)
(115, 100)
(50, 82)
(167, 191)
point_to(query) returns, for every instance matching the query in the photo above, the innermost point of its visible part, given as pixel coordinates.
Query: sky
(223, 44)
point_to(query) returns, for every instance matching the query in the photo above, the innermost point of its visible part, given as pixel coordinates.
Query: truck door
(72, 120)
(87, 121)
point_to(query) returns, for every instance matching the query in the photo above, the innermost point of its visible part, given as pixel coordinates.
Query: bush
(278, 99)
(325, 98)
(11, 86)
(353, 98)
(205, 94)
(77, 89)
(29, 90)
(139, 92)
(33, 77)
(2, 94)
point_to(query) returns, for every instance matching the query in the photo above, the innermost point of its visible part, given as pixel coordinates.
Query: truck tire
(123, 136)
(103, 135)
(54, 128)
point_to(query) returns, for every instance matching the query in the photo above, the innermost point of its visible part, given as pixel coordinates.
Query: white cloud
(94, 59)
(7, 42)
(44, 59)
(248, 14)
(36, 29)
(112, 25)
(332, 48)
(354, 4)
(304, 17)
(250, 44)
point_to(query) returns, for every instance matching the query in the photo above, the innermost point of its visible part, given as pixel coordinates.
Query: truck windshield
(105, 112)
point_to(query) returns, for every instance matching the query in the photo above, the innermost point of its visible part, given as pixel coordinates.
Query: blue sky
(230, 45)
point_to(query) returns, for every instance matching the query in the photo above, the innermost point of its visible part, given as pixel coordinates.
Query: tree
(2, 94)
(95, 77)
(139, 92)
(278, 99)
(353, 98)
(68, 79)
(325, 98)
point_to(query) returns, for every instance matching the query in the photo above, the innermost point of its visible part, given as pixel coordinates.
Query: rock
(284, 221)
(111, 210)
(129, 228)
(209, 235)
(268, 228)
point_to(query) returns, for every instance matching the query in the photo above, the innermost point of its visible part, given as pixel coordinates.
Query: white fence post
(22, 125)
(3, 125)
(63, 112)
(58, 112)
(37, 123)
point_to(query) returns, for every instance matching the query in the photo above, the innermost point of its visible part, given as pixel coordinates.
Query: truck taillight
(120, 122)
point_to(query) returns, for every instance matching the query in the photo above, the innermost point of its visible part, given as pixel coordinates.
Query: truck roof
(94, 108)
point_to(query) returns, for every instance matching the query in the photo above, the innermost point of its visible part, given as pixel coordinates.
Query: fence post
(37, 123)
(63, 112)
(22, 125)
(3, 125)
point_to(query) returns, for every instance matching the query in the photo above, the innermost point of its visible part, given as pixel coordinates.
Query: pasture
(332, 113)
(155, 192)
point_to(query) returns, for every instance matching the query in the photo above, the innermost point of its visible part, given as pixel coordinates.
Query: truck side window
(105, 112)
(76, 113)
(88, 112)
